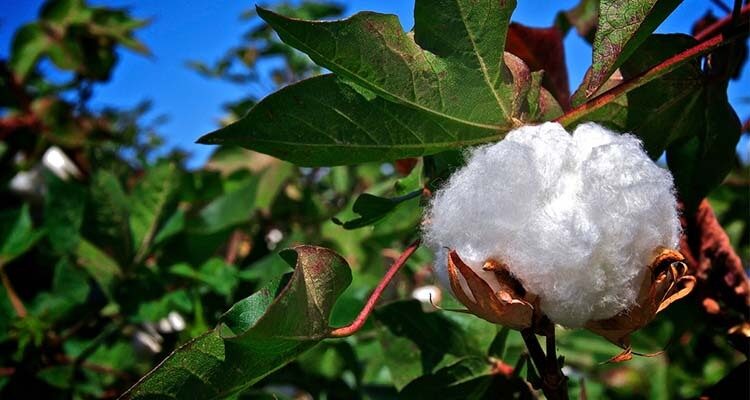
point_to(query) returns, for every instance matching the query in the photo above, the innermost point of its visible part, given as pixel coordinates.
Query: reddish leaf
(542, 49)
(722, 286)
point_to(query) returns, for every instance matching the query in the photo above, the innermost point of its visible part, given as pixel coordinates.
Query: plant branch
(12, 295)
(553, 381)
(658, 70)
(355, 326)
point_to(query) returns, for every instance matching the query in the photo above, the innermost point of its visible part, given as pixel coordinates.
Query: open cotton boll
(575, 218)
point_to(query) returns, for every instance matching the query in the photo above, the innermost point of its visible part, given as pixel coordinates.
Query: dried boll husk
(504, 301)
(667, 282)
(509, 306)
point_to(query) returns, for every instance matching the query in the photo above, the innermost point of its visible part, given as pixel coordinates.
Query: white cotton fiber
(575, 217)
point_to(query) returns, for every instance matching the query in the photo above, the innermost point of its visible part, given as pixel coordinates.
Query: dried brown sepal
(626, 355)
(668, 282)
(740, 329)
(506, 307)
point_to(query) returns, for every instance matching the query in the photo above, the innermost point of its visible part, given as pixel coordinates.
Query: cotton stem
(15, 301)
(554, 383)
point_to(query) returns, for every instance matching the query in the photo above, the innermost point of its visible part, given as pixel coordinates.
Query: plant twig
(720, 4)
(554, 382)
(670, 64)
(355, 326)
(12, 295)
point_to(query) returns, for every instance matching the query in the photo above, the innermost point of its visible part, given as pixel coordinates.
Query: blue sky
(183, 30)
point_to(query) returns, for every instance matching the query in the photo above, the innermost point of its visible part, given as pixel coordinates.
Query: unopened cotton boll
(575, 218)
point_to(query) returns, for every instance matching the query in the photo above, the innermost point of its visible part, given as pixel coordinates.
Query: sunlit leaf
(265, 334)
(448, 86)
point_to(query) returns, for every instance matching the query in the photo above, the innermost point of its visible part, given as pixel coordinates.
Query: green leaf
(107, 214)
(7, 314)
(273, 180)
(63, 213)
(449, 85)
(70, 289)
(230, 209)
(663, 110)
(270, 267)
(417, 343)
(669, 108)
(468, 378)
(172, 226)
(17, 234)
(217, 364)
(218, 275)
(497, 348)
(151, 311)
(373, 208)
(102, 268)
(583, 17)
(450, 37)
(58, 376)
(700, 163)
(246, 312)
(29, 43)
(622, 27)
(150, 204)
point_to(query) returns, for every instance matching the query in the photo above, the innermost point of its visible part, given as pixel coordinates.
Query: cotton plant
(579, 230)
(540, 228)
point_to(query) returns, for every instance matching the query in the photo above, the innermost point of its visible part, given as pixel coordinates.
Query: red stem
(719, 25)
(355, 326)
(12, 295)
(650, 74)
(664, 67)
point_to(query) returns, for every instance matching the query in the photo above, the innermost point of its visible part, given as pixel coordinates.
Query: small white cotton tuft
(575, 217)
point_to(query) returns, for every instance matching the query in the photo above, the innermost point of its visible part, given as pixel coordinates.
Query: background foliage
(112, 257)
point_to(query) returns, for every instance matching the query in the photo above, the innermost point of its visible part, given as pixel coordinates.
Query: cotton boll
(575, 217)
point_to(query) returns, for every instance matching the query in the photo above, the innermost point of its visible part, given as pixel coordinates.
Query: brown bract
(509, 306)
(512, 306)
(668, 282)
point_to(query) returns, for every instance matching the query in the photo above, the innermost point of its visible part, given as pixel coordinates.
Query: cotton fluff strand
(575, 217)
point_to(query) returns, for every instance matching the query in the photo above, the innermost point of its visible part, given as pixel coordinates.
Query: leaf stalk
(359, 322)
(718, 39)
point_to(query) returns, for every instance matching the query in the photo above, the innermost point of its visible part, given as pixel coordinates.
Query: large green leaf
(622, 27)
(448, 85)
(264, 335)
